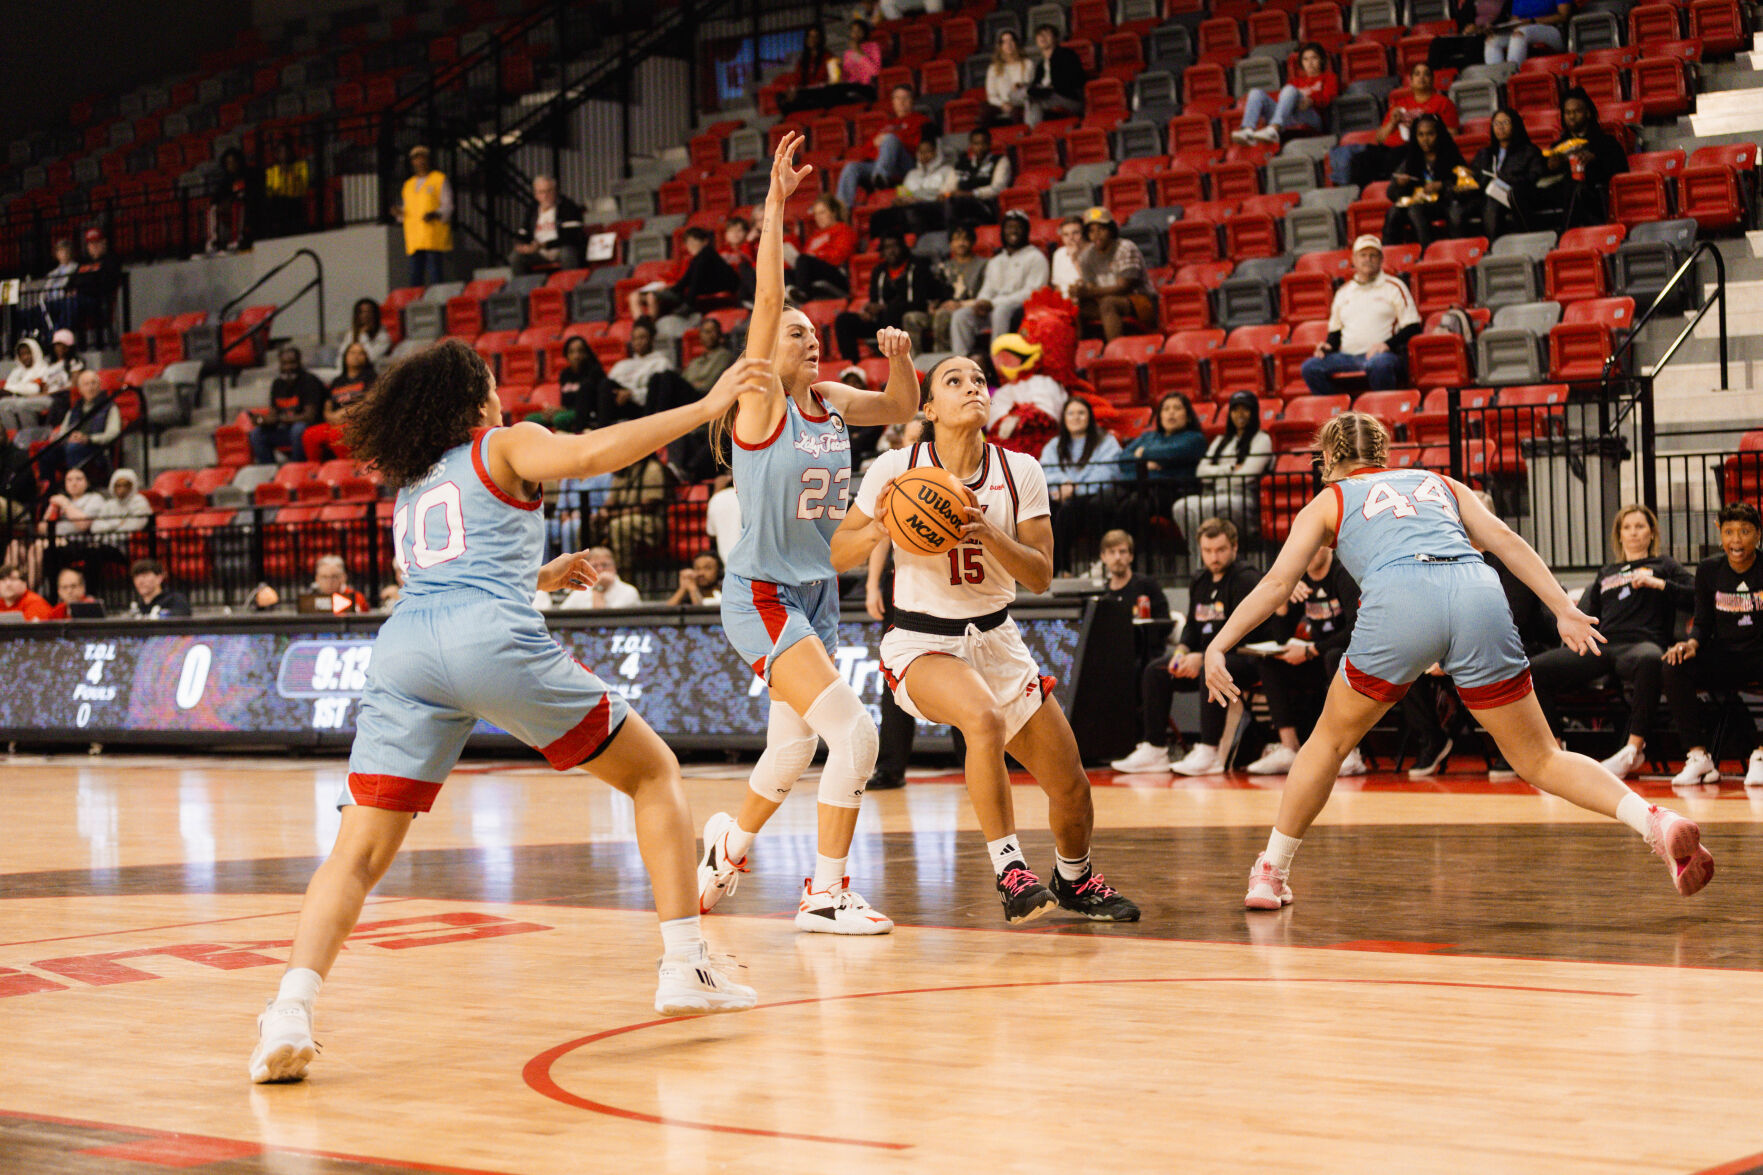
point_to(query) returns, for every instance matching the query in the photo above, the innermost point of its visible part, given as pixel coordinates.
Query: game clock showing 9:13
(330, 673)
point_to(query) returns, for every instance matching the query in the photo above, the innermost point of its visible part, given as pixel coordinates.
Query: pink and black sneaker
(1679, 841)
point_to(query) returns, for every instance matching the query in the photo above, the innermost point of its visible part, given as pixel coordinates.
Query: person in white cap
(64, 363)
(1369, 326)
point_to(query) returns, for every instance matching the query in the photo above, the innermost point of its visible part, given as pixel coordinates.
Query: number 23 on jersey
(1383, 498)
(811, 503)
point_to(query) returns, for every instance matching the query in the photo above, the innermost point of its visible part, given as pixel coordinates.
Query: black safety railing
(256, 337)
(1622, 358)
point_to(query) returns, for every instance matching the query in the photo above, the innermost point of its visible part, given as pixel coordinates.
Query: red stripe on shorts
(393, 793)
(771, 609)
(1375, 688)
(1499, 693)
(584, 740)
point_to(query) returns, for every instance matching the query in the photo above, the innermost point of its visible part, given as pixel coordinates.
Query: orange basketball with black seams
(926, 510)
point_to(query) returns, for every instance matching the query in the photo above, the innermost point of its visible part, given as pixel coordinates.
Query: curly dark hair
(418, 409)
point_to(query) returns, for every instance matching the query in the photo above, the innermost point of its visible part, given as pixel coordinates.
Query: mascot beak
(1014, 356)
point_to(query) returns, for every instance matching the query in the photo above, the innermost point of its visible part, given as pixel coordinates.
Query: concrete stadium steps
(1729, 105)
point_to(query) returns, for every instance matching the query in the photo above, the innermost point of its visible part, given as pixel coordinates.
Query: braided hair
(1356, 438)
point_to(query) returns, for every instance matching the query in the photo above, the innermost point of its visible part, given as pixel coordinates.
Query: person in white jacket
(1229, 474)
(27, 388)
(1071, 246)
(1012, 275)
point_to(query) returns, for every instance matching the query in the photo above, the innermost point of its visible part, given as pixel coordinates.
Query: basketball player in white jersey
(954, 656)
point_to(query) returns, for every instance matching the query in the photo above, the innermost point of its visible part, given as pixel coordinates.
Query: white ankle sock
(681, 937)
(829, 874)
(300, 983)
(736, 841)
(1282, 848)
(1633, 811)
(1070, 868)
(1004, 850)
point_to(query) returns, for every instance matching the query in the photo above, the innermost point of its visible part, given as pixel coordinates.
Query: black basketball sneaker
(1023, 895)
(1094, 898)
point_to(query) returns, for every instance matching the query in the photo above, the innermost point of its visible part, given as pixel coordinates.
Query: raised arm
(894, 404)
(768, 294)
(1578, 631)
(1314, 526)
(533, 454)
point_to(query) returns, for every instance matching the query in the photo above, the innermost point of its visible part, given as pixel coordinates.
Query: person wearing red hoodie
(888, 156)
(829, 249)
(1364, 163)
(16, 595)
(1302, 102)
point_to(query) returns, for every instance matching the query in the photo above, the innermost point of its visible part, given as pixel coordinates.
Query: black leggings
(1290, 689)
(1158, 686)
(810, 269)
(1638, 666)
(1711, 669)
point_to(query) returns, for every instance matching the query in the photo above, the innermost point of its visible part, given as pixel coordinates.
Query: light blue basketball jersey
(456, 528)
(794, 490)
(1396, 515)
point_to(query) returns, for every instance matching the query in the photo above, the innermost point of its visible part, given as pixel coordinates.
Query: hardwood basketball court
(1475, 978)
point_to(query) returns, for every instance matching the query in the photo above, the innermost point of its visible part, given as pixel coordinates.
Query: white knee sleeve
(789, 748)
(851, 743)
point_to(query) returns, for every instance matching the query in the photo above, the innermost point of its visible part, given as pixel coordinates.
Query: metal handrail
(262, 325)
(1612, 364)
(441, 78)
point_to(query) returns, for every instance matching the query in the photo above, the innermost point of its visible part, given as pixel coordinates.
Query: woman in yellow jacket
(427, 212)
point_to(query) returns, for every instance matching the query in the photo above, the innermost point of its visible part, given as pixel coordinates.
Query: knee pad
(789, 748)
(851, 745)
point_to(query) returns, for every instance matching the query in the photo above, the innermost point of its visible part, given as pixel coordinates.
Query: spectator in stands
(722, 517)
(555, 237)
(426, 209)
(701, 583)
(1150, 637)
(1219, 587)
(1295, 680)
(579, 387)
(1635, 599)
(625, 394)
(1057, 86)
(819, 81)
(1423, 189)
(708, 365)
(235, 200)
(366, 330)
(126, 510)
(860, 63)
(1724, 650)
(1302, 102)
(325, 438)
(899, 284)
(980, 175)
(90, 425)
(1012, 276)
(1230, 474)
(575, 496)
(1586, 157)
(152, 600)
(1066, 254)
(286, 182)
(1364, 163)
(70, 512)
(740, 245)
(1369, 324)
(1113, 288)
(263, 598)
(1507, 169)
(1007, 79)
(706, 281)
(330, 578)
(1161, 463)
(670, 389)
(16, 595)
(26, 395)
(631, 518)
(888, 155)
(818, 269)
(296, 400)
(1081, 465)
(608, 591)
(95, 286)
(56, 306)
(64, 362)
(1545, 29)
(958, 278)
(918, 201)
(70, 589)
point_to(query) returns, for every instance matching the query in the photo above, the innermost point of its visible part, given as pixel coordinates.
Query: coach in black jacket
(554, 237)
(900, 284)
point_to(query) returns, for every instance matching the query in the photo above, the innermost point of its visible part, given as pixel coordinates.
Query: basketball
(926, 511)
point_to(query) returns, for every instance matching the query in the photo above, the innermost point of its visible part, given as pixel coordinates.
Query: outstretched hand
(1219, 685)
(1579, 632)
(748, 375)
(567, 571)
(893, 343)
(786, 177)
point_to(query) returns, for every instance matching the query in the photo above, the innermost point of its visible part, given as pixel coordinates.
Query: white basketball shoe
(284, 1042)
(717, 875)
(839, 910)
(697, 983)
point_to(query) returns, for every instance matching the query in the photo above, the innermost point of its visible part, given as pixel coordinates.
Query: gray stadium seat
(1590, 31)
(1291, 173)
(1427, 11)
(251, 476)
(1139, 138)
(1356, 112)
(1155, 96)
(1094, 174)
(1246, 301)
(648, 246)
(1475, 97)
(1536, 317)
(1310, 146)
(1067, 198)
(441, 291)
(1368, 15)
(1645, 261)
(1169, 45)
(1312, 230)
(1254, 73)
(1053, 14)
(425, 320)
(1508, 355)
(1506, 281)
(1336, 199)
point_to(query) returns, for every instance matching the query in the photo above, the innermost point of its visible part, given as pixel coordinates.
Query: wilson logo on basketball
(929, 495)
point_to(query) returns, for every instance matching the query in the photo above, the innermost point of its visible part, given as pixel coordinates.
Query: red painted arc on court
(537, 1072)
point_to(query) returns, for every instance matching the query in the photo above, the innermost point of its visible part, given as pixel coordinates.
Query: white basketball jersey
(965, 581)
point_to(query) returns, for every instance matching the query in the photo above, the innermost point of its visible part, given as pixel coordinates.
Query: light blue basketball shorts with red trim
(442, 663)
(1416, 614)
(764, 619)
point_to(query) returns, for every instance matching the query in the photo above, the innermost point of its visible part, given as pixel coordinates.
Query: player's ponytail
(416, 410)
(1353, 438)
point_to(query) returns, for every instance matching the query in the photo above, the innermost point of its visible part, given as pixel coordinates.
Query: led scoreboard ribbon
(299, 683)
